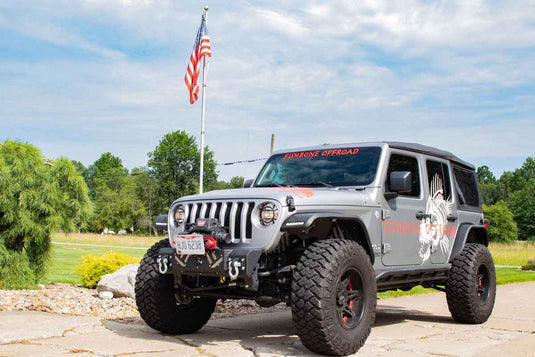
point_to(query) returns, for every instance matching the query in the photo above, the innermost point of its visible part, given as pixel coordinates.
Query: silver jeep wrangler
(323, 229)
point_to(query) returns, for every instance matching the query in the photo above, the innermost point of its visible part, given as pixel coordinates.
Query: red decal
(299, 155)
(301, 192)
(318, 153)
(201, 223)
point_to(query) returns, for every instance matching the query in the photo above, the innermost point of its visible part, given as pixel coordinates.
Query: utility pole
(272, 143)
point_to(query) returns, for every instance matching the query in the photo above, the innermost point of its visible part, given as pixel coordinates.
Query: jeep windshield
(351, 166)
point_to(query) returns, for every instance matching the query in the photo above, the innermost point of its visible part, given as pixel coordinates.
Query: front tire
(471, 285)
(156, 302)
(334, 297)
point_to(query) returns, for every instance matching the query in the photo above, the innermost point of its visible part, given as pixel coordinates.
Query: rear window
(466, 187)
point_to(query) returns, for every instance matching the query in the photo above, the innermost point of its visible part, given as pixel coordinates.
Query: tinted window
(466, 187)
(405, 163)
(438, 179)
(338, 167)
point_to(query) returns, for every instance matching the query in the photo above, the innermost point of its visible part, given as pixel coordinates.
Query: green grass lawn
(65, 259)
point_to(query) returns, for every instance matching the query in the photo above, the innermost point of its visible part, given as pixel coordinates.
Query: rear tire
(334, 297)
(471, 286)
(156, 302)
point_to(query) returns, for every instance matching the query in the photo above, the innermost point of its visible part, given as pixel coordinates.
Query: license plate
(189, 244)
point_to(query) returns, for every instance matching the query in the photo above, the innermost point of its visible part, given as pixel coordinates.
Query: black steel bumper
(233, 263)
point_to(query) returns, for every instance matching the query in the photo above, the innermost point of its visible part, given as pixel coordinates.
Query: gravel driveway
(407, 326)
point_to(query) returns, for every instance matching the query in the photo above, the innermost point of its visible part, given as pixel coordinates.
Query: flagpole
(202, 111)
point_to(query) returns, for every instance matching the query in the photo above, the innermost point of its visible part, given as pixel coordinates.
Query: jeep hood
(303, 196)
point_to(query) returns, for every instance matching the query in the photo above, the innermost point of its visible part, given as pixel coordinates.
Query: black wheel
(156, 301)
(471, 286)
(334, 297)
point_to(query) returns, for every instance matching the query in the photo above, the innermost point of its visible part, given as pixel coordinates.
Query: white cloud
(448, 74)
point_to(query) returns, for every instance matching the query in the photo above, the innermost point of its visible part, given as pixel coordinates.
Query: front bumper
(221, 262)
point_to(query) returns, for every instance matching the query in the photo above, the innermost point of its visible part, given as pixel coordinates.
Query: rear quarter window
(466, 187)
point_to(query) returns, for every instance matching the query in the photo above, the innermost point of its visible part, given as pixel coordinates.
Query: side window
(405, 163)
(466, 187)
(438, 178)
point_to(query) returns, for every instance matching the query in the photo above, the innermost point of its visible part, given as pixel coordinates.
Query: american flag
(201, 48)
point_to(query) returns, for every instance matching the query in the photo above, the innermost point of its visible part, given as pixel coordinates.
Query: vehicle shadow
(271, 332)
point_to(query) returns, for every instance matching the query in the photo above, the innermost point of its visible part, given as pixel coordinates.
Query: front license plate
(189, 244)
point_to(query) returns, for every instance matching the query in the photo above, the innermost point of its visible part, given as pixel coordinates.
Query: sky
(82, 77)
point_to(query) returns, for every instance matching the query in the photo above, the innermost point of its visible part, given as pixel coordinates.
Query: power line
(241, 162)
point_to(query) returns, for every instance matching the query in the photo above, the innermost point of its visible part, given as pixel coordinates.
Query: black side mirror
(400, 182)
(248, 183)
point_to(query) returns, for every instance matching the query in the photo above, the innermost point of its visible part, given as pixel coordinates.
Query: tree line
(39, 197)
(130, 200)
(509, 202)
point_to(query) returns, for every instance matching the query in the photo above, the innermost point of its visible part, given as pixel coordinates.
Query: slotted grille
(234, 215)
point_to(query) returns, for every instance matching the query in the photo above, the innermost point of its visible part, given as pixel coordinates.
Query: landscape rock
(105, 295)
(121, 283)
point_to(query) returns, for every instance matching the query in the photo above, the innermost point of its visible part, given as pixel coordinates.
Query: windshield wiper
(314, 183)
(272, 184)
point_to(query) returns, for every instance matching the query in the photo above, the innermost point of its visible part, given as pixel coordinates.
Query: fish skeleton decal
(433, 227)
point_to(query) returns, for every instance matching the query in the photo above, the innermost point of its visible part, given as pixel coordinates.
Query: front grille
(234, 215)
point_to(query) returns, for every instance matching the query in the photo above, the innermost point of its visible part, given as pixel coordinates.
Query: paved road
(408, 326)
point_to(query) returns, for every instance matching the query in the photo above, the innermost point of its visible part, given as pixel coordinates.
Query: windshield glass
(330, 167)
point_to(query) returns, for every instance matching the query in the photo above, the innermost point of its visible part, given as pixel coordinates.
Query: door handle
(420, 215)
(452, 218)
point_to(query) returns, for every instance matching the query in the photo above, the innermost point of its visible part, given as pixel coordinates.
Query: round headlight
(268, 213)
(180, 215)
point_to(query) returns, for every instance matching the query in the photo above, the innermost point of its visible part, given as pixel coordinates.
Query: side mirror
(401, 181)
(248, 183)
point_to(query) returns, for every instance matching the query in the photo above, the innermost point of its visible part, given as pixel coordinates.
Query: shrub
(92, 267)
(530, 265)
(502, 227)
(15, 272)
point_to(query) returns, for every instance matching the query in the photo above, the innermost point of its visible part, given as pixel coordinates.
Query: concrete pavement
(409, 326)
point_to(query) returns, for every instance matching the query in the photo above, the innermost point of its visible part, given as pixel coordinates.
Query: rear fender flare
(469, 233)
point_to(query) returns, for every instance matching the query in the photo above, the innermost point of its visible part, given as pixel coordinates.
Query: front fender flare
(319, 224)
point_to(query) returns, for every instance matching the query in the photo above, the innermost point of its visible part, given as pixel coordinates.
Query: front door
(401, 223)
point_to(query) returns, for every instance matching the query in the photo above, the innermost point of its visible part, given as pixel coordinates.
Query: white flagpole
(202, 111)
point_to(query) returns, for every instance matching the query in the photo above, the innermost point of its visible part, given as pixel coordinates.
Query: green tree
(484, 175)
(106, 170)
(175, 163)
(146, 192)
(523, 207)
(117, 209)
(502, 227)
(37, 197)
(81, 169)
(236, 182)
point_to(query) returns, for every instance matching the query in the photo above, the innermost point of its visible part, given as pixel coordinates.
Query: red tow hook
(210, 243)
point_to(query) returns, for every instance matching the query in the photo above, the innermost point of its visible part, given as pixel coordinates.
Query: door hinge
(386, 248)
(385, 214)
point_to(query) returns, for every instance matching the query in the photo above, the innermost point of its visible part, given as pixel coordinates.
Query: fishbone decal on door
(433, 229)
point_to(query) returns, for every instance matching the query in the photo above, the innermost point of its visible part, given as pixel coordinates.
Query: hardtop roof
(418, 148)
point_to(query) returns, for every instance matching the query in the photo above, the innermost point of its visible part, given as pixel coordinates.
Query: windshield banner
(321, 153)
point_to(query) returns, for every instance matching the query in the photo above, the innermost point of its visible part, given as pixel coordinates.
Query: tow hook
(234, 268)
(162, 265)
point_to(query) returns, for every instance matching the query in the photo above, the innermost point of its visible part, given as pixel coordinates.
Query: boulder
(121, 283)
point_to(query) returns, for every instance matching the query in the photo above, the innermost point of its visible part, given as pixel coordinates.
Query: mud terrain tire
(334, 297)
(471, 286)
(156, 302)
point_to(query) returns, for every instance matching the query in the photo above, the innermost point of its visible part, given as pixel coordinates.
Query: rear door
(439, 225)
